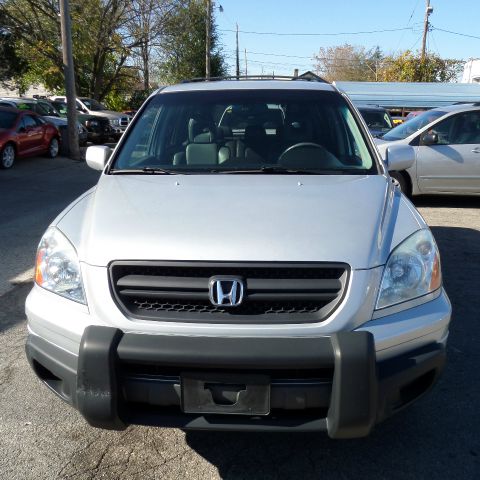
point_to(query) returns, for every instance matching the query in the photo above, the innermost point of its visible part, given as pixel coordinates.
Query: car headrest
(205, 137)
(254, 133)
(196, 128)
(224, 132)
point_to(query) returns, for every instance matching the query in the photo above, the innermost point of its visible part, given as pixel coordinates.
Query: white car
(245, 262)
(447, 151)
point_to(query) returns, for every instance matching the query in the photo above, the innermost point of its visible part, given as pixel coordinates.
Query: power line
(317, 34)
(454, 33)
(279, 55)
(408, 23)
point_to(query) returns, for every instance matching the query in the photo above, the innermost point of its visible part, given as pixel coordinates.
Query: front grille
(274, 293)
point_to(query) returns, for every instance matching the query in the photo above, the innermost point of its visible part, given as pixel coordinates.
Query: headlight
(57, 268)
(115, 121)
(412, 270)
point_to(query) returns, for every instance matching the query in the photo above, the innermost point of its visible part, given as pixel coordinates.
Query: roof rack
(309, 78)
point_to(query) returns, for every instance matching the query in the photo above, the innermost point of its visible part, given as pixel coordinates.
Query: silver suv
(244, 262)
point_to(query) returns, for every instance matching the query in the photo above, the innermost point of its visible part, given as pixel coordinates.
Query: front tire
(53, 148)
(7, 156)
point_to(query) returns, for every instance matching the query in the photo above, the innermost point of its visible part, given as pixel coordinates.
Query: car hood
(352, 219)
(57, 121)
(109, 114)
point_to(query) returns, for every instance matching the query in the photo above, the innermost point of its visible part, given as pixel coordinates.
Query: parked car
(23, 134)
(50, 114)
(447, 151)
(118, 121)
(244, 262)
(378, 120)
(413, 114)
(98, 128)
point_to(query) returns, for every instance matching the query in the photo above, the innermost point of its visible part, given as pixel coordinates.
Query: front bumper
(335, 384)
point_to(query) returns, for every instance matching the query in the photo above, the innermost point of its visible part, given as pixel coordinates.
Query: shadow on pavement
(447, 201)
(437, 437)
(12, 306)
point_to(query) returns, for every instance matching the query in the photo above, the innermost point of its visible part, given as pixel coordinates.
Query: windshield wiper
(266, 170)
(144, 170)
(291, 171)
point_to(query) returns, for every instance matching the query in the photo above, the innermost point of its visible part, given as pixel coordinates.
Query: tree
(409, 67)
(145, 25)
(12, 66)
(184, 43)
(348, 62)
(100, 53)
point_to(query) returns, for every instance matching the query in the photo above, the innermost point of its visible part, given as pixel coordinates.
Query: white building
(10, 90)
(471, 71)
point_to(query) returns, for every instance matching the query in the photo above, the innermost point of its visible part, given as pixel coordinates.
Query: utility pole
(238, 57)
(246, 64)
(426, 24)
(209, 37)
(66, 27)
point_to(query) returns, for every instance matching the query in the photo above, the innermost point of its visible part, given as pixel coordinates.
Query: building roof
(410, 94)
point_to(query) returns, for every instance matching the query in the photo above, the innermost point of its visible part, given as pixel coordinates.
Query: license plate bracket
(219, 393)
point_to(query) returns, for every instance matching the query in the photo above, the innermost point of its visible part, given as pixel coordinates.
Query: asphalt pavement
(42, 438)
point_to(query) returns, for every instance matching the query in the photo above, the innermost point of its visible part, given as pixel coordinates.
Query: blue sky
(334, 16)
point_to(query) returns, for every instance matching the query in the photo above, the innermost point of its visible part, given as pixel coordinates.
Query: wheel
(402, 181)
(298, 146)
(7, 156)
(53, 148)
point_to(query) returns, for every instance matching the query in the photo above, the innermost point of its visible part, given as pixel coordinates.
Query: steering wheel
(297, 146)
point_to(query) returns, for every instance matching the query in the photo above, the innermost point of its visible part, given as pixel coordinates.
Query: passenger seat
(202, 148)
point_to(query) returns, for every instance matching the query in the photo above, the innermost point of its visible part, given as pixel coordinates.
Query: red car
(23, 134)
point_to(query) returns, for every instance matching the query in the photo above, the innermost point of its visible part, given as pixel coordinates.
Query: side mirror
(97, 156)
(429, 139)
(399, 157)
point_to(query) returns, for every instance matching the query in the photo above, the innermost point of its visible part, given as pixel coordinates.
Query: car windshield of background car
(408, 128)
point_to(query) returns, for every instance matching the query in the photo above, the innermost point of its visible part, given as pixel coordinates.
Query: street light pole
(428, 11)
(69, 79)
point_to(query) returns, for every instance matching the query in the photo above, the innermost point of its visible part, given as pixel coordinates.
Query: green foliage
(138, 97)
(113, 44)
(11, 66)
(184, 45)
(348, 63)
(409, 67)
(354, 63)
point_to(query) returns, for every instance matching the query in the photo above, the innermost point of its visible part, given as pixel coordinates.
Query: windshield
(377, 120)
(408, 128)
(61, 107)
(92, 104)
(45, 108)
(257, 131)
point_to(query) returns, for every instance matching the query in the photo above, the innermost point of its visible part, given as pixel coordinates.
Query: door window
(29, 121)
(467, 128)
(443, 130)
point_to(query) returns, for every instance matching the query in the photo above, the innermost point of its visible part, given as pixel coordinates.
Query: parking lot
(42, 438)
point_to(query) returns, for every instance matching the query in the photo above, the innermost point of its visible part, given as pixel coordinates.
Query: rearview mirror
(399, 157)
(430, 139)
(97, 156)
